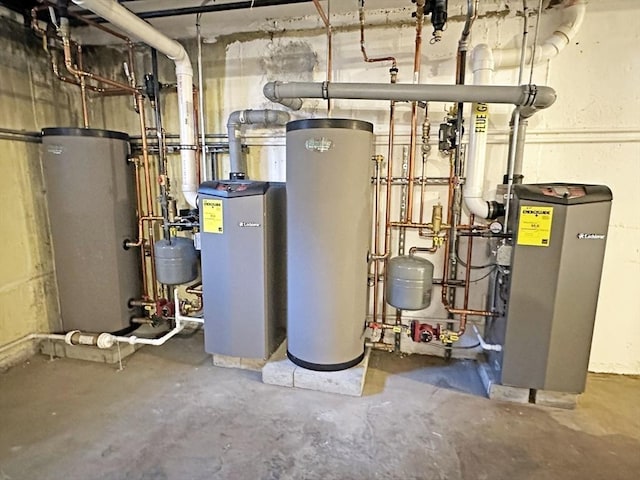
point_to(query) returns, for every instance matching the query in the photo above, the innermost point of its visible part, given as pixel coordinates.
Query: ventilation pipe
(238, 162)
(573, 13)
(523, 95)
(137, 28)
(484, 62)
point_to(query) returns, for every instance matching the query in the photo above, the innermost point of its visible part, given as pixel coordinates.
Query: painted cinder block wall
(590, 135)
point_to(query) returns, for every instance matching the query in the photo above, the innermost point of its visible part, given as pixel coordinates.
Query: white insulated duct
(484, 62)
(137, 28)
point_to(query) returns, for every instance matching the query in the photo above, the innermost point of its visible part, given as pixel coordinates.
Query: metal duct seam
(142, 31)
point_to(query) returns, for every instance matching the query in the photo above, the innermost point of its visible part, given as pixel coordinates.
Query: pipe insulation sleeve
(265, 118)
(523, 95)
(573, 13)
(137, 28)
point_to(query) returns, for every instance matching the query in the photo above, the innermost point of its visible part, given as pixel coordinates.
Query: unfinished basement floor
(172, 415)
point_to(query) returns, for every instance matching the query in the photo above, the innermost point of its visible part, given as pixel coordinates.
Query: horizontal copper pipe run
(68, 62)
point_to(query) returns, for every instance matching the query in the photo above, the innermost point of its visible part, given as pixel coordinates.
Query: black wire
(474, 267)
(484, 276)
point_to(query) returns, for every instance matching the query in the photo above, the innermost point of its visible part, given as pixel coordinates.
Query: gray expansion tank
(329, 230)
(92, 204)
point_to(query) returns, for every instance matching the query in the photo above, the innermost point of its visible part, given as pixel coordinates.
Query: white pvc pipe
(137, 28)
(484, 62)
(485, 345)
(574, 12)
(482, 67)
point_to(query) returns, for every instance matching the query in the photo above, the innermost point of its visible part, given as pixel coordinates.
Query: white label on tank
(55, 149)
(248, 224)
(319, 145)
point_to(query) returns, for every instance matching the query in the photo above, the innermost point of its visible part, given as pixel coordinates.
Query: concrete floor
(172, 415)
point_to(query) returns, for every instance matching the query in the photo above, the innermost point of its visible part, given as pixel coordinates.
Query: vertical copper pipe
(376, 239)
(83, 89)
(148, 193)
(139, 214)
(417, 57)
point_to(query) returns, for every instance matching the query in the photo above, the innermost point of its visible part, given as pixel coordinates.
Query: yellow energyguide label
(212, 216)
(534, 228)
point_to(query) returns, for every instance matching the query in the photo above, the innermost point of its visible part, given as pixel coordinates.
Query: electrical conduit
(137, 28)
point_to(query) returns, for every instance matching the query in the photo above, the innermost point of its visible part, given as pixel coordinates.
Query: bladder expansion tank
(91, 197)
(329, 228)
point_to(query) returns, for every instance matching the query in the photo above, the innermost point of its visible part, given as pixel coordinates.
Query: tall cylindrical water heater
(328, 234)
(92, 204)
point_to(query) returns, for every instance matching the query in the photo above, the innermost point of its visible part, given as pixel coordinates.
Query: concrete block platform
(546, 398)
(281, 371)
(90, 354)
(227, 361)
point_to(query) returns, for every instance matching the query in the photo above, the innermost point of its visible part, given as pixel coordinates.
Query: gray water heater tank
(410, 281)
(176, 261)
(328, 234)
(92, 210)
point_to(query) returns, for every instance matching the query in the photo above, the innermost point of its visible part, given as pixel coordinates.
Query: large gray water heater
(92, 204)
(328, 234)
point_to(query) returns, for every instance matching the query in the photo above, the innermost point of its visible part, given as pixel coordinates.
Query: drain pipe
(523, 95)
(265, 118)
(137, 28)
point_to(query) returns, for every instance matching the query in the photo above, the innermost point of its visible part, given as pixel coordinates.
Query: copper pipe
(414, 106)
(414, 250)
(83, 89)
(148, 194)
(139, 214)
(141, 221)
(363, 48)
(68, 62)
(376, 235)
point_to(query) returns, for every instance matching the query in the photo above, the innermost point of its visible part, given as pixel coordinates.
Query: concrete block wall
(590, 135)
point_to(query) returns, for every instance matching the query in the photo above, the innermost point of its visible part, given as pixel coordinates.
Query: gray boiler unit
(551, 297)
(329, 231)
(92, 209)
(243, 243)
